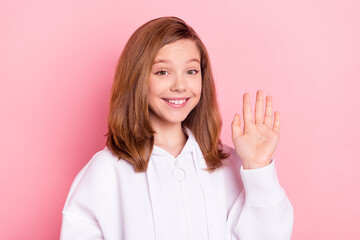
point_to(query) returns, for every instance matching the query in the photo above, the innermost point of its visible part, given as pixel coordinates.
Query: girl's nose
(178, 84)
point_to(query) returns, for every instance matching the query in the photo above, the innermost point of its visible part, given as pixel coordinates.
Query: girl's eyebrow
(170, 62)
(162, 61)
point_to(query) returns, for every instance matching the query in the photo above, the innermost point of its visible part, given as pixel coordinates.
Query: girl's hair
(130, 134)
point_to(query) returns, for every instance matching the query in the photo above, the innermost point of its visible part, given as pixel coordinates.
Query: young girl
(164, 173)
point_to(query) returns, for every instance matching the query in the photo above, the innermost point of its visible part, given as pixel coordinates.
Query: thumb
(236, 127)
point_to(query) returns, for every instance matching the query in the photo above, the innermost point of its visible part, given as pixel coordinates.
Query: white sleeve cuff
(261, 185)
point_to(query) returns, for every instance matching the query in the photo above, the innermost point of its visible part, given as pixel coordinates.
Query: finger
(276, 127)
(268, 111)
(247, 110)
(259, 117)
(236, 126)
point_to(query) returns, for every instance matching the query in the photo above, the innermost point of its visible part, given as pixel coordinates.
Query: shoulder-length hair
(130, 134)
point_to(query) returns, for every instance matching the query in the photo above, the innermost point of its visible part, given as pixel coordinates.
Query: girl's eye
(161, 72)
(193, 71)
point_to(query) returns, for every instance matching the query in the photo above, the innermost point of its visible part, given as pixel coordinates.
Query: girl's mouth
(179, 102)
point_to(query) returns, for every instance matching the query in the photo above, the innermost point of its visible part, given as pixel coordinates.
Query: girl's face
(174, 82)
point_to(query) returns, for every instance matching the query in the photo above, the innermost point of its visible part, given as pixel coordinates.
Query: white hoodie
(109, 200)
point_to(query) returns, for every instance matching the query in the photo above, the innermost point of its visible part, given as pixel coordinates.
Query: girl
(164, 173)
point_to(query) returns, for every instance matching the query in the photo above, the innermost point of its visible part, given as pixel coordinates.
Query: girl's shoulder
(100, 173)
(102, 164)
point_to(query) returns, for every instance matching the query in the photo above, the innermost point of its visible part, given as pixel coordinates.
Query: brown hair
(130, 135)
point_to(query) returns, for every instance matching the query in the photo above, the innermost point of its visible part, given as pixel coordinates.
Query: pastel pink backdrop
(56, 69)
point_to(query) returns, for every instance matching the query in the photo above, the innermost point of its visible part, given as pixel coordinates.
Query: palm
(256, 142)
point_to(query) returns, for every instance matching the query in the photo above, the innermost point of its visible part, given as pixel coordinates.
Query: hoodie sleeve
(78, 227)
(262, 209)
(77, 219)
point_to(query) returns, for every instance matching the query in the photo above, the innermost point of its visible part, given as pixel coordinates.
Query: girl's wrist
(255, 165)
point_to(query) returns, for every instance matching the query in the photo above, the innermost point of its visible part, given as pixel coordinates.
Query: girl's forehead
(184, 50)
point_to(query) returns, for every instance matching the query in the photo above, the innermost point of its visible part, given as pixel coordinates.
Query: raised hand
(256, 142)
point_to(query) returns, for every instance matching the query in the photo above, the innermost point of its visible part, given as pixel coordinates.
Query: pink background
(57, 61)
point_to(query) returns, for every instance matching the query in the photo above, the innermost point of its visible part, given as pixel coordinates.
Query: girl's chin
(166, 121)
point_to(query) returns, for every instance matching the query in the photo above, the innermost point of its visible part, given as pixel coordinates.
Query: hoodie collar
(188, 147)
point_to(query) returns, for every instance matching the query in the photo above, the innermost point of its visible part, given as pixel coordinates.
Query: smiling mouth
(178, 101)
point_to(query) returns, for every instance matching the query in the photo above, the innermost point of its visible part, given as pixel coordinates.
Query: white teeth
(177, 101)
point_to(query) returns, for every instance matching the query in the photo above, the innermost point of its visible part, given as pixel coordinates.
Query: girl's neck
(170, 138)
